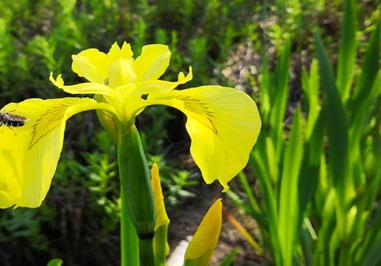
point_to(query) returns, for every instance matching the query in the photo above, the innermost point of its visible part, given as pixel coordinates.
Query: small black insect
(11, 120)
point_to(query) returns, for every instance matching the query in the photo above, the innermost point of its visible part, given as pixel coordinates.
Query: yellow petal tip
(226, 188)
(58, 82)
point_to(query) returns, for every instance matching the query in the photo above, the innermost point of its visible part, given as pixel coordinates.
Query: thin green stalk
(146, 252)
(129, 247)
(246, 187)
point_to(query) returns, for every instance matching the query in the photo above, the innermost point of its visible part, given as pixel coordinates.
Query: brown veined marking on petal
(46, 123)
(197, 106)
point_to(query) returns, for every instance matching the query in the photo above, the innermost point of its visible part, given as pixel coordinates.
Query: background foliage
(263, 47)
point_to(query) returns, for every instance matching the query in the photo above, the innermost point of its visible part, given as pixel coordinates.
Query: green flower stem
(137, 191)
(129, 241)
(146, 252)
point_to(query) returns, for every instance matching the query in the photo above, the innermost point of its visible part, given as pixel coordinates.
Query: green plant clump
(318, 176)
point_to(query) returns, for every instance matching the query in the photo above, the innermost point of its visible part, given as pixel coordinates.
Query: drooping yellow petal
(153, 62)
(92, 65)
(223, 124)
(81, 88)
(29, 159)
(204, 241)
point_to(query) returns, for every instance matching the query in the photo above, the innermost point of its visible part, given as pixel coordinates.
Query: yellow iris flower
(223, 123)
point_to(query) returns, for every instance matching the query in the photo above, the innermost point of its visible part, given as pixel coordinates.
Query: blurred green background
(227, 42)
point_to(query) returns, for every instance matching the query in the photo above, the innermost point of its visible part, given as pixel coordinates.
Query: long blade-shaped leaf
(280, 98)
(310, 85)
(336, 126)
(347, 52)
(288, 202)
(370, 66)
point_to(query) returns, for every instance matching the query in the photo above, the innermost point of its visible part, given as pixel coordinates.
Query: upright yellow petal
(29, 159)
(121, 72)
(153, 62)
(223, 124)
(91, 64)
(204, 241)
(116, 52)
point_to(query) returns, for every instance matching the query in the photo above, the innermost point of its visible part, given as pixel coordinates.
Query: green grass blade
(272, 163)
(336, 126)
(266, 90)
(310, 170)
(269, 200)
(229, 259)
(55, 262)
(246, 188)
(310, 86)
(288, 202)
(364, 109)
(306, 245)
(279, 98)
(369, 68)
(373, 229)
(373, 257)
(322, 254)
(347, 51)
(259, 217)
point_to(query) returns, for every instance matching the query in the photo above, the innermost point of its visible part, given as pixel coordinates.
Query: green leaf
(259, 217)
(310, 85)
(265, 89)
(311, 166)
(369, 68)
(373, 257)
(288, 202)
(347, 52)
(55, 262)
(246, 188)
(279, 98)
(336, 126)
(269, 199)
(229, 259)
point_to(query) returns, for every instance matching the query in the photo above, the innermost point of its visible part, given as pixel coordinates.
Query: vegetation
(312, 185)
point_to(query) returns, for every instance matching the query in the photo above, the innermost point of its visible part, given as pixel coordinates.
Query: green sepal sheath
(136, 190)
(134, 170)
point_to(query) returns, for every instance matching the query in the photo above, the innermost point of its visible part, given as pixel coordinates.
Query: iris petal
(223, 124)
(81, 88)
(91, 64)
(120, 53)
(29, 161)
(151, 86)
(153, 62)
